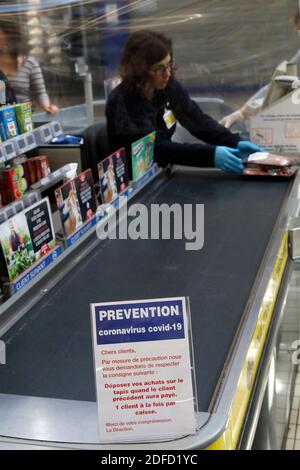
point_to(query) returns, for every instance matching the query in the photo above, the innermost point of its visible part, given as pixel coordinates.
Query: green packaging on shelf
(8, 123)
(23, 114)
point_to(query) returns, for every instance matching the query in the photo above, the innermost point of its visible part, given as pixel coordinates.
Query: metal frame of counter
(39, 419)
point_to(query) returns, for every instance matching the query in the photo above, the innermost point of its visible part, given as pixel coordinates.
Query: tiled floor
(293, 438)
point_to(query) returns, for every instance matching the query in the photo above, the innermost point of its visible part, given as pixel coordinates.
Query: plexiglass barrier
(226, 50)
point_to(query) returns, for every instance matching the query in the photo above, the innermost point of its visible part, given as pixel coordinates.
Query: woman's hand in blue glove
(227, 159)
(246, 147)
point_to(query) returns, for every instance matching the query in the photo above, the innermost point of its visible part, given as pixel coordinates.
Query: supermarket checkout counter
(94, 146)
(47, 387)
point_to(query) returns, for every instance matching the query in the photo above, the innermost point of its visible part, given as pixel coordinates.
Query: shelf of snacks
(32, 235)
(17, 133)
(22, 143)
(17, 137)
(24, 174)
(27, 236)
(64, 173)
(29, 198)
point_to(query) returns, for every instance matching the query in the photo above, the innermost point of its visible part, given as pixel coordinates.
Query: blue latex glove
(246, 147)
(226, 159)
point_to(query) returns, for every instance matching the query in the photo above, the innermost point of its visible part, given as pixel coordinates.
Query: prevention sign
(143, 369)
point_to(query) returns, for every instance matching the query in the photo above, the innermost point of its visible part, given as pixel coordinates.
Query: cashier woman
(150, 98)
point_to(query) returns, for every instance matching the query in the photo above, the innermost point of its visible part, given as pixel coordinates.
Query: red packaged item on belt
(270, 160)
(285, 172)
(269, 164)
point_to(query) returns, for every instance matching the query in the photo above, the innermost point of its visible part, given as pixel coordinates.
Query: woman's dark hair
(142, 50)
(15, 43)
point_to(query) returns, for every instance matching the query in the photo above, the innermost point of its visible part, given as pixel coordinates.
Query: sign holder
(36, 269)
(69, 241)
(76, 202)
(28, 245)
(142, 156)
(147, 177)
(144, 370)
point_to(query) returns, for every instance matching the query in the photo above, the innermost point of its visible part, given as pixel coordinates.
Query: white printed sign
(277, 127)
(143, 369)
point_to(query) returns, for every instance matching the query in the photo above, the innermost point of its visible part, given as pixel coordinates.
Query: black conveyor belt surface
(49, 351)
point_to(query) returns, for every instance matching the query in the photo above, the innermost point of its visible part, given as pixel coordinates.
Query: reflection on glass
(224, 50)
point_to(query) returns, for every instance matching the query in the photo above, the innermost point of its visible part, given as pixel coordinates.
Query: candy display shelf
(29, 140)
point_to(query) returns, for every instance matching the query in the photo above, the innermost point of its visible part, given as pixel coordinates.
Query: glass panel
(223, 49)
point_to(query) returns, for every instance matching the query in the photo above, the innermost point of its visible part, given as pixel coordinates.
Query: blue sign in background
(139, 329)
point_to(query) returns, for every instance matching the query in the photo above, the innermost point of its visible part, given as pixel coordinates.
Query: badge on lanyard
(169, 118)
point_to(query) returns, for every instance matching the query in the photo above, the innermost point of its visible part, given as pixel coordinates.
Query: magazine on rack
(142, 156)
(76, 202)
(113, 176)
(26, 238)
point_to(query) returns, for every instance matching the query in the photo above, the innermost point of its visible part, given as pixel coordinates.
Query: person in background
(149, 98)
(23, 72)
(10, 97)
(254, 103)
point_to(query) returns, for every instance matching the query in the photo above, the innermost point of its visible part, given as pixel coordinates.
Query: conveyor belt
(49, 350)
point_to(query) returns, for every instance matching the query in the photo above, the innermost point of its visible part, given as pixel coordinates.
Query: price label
(21, 144)
(9, 150)
(56, 128)
(2, 154)
(47, 134)
(30, 139)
